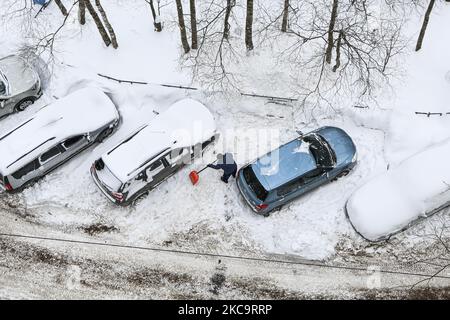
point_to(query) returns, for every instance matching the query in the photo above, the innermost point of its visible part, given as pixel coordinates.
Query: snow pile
(416, 188)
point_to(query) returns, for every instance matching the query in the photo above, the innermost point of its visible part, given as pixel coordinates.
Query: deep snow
(212, 216)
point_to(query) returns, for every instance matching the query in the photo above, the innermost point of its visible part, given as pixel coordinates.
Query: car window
(71, 142)
(254, 183)
(290, 186)
(50, 154)
(2, 88)
(32, 166)
(156, 165)
(208, 142)
(176, 153)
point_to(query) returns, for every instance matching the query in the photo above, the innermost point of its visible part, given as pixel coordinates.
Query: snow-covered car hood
(20, 76)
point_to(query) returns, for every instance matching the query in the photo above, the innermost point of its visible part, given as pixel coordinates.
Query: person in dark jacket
(227, 164)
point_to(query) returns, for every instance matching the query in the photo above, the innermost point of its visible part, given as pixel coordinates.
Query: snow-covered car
(155, 151)
(20, 85)
(392, 202)
(296, 168)
(53, 135)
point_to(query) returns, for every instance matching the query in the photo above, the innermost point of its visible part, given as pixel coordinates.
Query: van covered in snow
(155, 151)
(53, 135)
(392, 202)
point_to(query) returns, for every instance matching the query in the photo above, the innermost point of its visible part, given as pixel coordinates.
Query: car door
(179, 157)
(158, 171)
(289, 191)
(314, 179)
(73, 145)
(51, 158)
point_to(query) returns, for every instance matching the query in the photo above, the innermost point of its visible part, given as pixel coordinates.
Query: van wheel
(140, 197)
(104, 134)
(23, 104)
(340, 175)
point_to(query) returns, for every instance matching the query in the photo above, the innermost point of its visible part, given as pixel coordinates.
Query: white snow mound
(418, 187)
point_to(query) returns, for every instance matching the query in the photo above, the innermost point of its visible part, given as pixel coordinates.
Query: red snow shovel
(195, 176)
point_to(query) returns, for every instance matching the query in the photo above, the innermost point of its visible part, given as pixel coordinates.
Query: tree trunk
(156, 22)
(285, 16)
(338, 52)
(425, 25)
(329, 51)
(98, 22)
(108, 26)
(182, 26)
(61, 7)
(226, 27)
(81, 12)
(249, 26)
(193, 24)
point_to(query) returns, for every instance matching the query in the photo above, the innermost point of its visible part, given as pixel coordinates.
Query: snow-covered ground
(212, 216)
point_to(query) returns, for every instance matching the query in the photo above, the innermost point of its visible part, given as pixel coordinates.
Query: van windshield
(254, 183)
(2, 88)
(3, 84)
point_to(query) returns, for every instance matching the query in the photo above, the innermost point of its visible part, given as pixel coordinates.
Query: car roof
(80, 112)
(284, 164)
(20, 75)
(183, 124)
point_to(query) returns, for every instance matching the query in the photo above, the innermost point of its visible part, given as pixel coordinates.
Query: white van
(155, 151)
(53, 135)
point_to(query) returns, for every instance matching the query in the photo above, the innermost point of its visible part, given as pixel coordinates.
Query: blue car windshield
(321, 150)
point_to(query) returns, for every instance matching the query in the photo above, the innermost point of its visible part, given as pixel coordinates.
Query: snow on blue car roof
(281, 165)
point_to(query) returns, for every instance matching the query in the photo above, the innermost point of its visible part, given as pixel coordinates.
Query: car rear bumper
(102, 187)
(245, 198)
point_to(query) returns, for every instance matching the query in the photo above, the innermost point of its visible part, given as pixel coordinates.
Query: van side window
(32, 166)
(176, 152)
(208, 142)
(71, 142)
(157, 164)
(50, 154)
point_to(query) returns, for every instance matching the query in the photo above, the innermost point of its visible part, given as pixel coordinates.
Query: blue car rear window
(254, 183)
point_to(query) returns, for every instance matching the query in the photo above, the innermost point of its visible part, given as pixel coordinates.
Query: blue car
(296, 168)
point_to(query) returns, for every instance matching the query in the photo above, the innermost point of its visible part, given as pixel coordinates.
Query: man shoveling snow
(227, 164)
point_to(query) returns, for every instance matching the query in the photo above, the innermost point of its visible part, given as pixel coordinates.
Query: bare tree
(249, 26)
(330, 44)
(425, 25)
(226, 28)
(81, 12)
(98, 22)
(193, 24)
(156, 16)
(110, 29)
(284, 24)
(61, 7)
(182, 26)
(365, 45)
